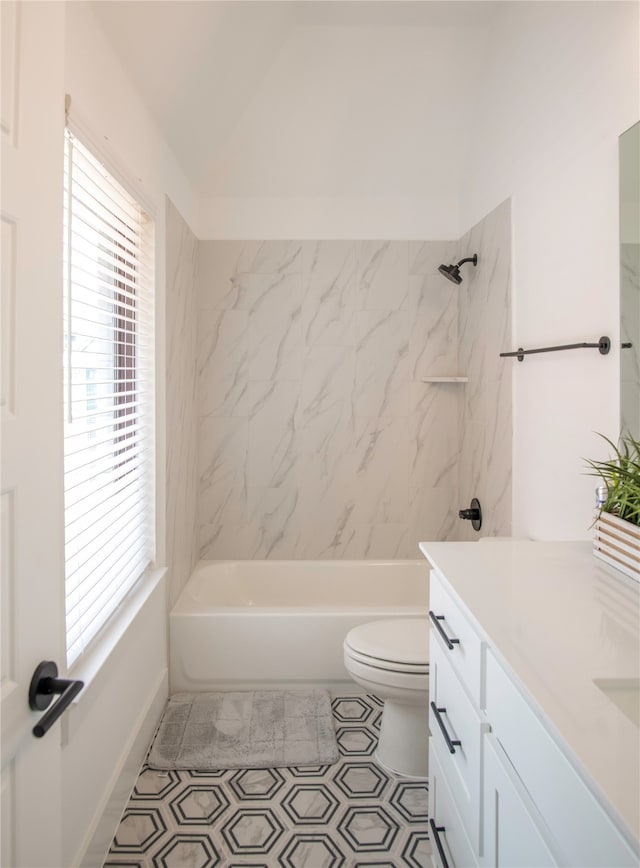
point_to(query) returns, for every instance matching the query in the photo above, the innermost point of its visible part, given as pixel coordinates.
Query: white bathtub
(249, 624)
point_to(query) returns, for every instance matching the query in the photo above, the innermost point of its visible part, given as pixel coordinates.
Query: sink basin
(624, 693)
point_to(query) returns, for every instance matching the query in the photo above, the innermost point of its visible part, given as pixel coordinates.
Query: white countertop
(560, 620)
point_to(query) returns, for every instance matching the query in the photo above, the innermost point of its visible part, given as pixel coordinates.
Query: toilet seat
(387, 665)
(394, 645)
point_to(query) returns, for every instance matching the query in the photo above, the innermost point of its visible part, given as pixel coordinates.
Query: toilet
(390, 659)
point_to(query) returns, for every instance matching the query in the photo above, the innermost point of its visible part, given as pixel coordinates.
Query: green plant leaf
(621, 477)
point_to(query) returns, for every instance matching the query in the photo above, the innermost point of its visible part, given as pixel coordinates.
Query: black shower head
(452, 272)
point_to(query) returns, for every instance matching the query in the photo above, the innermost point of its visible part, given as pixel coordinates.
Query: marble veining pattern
(329, 301)
(352, 813)
(434, 327)
(629, 328)
(181, 401)
(484, 330)
(318, 351)
(382, 368)
(319, 348)
(383, 271)
(223, 366)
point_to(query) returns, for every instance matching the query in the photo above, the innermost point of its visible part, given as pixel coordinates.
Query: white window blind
(108, 394)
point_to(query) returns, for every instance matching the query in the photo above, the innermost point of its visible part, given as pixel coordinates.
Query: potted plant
(617, 526)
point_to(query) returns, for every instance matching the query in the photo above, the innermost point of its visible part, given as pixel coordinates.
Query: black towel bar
(603, 345)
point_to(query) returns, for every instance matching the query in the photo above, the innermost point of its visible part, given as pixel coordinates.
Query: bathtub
(265, 624)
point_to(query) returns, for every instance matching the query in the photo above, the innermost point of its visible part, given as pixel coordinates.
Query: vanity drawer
(581, 832)
(456, 731)
(446, 830)
(454, 634)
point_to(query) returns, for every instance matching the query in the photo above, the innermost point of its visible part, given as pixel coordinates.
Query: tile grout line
(352, 813)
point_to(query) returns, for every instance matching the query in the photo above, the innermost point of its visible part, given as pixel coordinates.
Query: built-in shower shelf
(445, 379)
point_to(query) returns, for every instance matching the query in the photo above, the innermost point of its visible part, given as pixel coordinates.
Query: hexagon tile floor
(352, 813)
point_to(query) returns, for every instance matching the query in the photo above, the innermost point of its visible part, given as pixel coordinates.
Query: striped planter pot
(617, 542)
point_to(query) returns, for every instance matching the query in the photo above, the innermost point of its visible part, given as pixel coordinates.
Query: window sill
(89, 664)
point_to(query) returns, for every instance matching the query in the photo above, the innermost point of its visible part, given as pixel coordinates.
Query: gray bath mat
(258, 729)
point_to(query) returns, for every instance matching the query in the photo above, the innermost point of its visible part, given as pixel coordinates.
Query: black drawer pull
(435, 831)
(436, 623)
(451, 743)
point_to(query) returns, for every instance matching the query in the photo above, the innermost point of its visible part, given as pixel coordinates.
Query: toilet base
(403, 746)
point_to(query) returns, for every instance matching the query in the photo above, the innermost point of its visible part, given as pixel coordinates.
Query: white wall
(106, 100)
(560, 87)
(106, 735)
(110, 728)
(355, 131)
(395, 218)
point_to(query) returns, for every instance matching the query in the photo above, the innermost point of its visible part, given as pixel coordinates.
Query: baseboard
(343, 686)
(96, 843)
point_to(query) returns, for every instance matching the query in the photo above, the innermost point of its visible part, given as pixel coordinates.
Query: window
(108, 394)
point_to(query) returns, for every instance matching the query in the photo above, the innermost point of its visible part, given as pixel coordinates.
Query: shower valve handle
(473, 514)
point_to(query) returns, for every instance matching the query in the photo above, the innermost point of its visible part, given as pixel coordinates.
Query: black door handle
(44, 685)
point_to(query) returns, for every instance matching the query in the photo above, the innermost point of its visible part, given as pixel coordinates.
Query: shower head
(452, 272)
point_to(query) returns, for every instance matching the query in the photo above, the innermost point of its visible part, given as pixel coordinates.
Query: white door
(31, 554)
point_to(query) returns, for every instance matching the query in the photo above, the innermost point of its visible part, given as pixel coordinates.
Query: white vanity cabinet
(502, 790)
(456, 737)
(456, 728)
(570, 817)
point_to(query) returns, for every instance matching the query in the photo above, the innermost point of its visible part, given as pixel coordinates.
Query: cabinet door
(577, 823)
(512, 834)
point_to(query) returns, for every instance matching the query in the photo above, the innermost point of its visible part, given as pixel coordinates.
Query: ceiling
(308, 99)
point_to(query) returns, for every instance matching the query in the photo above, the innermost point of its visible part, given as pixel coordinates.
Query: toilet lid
(400, 641)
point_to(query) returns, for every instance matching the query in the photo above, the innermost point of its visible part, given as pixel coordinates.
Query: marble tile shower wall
(181, 401)
(316, 436)
(484, 331)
